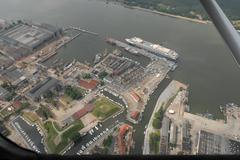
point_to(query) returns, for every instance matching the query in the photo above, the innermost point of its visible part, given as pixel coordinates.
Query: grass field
(51, 135)
(104, 108)
(31, 116)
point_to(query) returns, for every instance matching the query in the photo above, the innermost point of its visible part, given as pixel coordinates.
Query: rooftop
(42, 87)
(3, 93)
(89, 85)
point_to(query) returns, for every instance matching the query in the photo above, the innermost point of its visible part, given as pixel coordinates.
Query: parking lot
(30, 133)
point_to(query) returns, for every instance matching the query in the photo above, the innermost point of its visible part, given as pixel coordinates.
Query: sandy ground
(88, 118)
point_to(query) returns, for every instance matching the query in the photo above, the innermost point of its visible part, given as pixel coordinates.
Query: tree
(102, 75)
(74, 93)
(108, 141)
(86, 76)
(156, 123)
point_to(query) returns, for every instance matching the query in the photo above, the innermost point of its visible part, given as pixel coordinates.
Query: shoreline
(163, 13)
(170, 15)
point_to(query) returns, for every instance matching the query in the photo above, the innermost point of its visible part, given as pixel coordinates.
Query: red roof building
(123, 143)
(82, 112)
(79, 114)
(89, 85)
(135, 115)
(135, 97)
(17, 104)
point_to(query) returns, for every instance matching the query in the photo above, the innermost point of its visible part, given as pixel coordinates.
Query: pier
(81, 30)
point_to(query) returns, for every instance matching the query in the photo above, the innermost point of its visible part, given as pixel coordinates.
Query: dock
(81, 30)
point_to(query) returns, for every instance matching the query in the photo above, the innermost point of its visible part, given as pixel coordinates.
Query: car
(82, 146)
(101, 134)
(87, 145)
(96, 127)
(100, 124)
(107, 129)
(104, 132)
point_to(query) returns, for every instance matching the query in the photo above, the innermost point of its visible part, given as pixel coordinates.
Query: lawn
(51, 134)
(31, 116)
(104, 108)
(5, 112)
(66, 137)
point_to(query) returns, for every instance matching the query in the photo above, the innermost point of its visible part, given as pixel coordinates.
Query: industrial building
(5, 62)
(173, 134)
(124, 71)
(186, 138)
(30, 35)
(210, 144)
(164, 138)
(21, 39)
(3, 93)
(42, 87)
(2, 24)
(13, 75)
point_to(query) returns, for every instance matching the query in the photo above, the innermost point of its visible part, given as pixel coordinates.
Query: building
(3, 93)
(13, 75)
(21, 39)
(3, 130)
(124, 139)
(88, 85)
(4, 104)
(135, 97)
(173, 134)
(2, 24)
(212, 144)
(30, 36)
(135, 115)
(186, 138)
(164, 136)
(82, 112)
(5, 61)
(42, 87)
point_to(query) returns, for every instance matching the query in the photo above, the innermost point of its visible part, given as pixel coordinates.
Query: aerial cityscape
(125, 97)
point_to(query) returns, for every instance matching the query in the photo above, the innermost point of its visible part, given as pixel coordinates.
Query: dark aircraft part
(224, 26)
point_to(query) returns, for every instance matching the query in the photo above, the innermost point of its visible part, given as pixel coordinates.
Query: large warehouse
(21, 39)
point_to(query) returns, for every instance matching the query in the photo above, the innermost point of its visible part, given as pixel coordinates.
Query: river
(205, 61)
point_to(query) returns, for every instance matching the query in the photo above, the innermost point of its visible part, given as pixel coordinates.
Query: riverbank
(172, 15)
(164, 13)
(163, 101)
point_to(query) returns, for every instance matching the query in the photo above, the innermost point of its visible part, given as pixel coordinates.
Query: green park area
(58, 139)
(104, 108)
